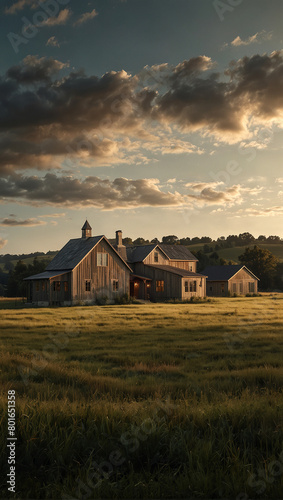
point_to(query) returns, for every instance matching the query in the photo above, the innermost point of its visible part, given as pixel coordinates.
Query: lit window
(87, 286)
(115, 285)
(66, 286)
(186, 286)
(102, 259)
(193, 286)
(160, 286)
(155, 256)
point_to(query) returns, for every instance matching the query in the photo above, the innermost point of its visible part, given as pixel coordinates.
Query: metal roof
(47, 275)
(177, 252)
(173, 252)
(224, 273)
(177, 270)
(74, 252)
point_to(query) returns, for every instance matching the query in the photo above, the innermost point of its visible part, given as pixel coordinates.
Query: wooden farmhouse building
(223, 281)
(85, 270)
(89, 268)
(162, 272)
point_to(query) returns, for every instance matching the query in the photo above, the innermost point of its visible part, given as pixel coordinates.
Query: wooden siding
(59, 297)
(200, 288)
(162, 259)
(184, 264)
(239, 284)
(101, 277)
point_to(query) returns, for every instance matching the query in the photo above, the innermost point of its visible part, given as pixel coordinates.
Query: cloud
(279, 180)
(116, 118)
(62, 18)
(3, 242)
(33, 70)
(16, 222)
(87, 16)
(20, 5)
(257, 38)
(207, 194)
(275, 211)
(92, 191)
(52, 42)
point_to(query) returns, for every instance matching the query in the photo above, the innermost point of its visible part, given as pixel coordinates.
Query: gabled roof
(176, 270)
(139, 253)
(46, 275)
(177, 252)
(74, 252)
(224, 273)
(173, 252)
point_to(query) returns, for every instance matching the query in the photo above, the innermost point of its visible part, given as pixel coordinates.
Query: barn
(223, 281)
(85, 270)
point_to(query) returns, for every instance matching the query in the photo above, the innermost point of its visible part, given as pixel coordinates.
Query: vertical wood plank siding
(101, 277)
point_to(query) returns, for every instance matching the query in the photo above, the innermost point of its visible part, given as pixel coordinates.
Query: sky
(156, 117)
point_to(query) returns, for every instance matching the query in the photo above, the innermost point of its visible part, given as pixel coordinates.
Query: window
(222, 287)
(155, 256)
(102, 259)
(66, 286)
(241, 287)
(251, 287)
(87, 286)
(186, 286)
(190, 268)
(37, 286)
(115, 285)
(160, 286)
(234, 287)
(210, 288)
(56, 286)
(193, 286)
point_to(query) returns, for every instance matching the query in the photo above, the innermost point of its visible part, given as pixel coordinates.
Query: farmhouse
(162, 272)
(227, 280)
(89, 268)
(85, 270)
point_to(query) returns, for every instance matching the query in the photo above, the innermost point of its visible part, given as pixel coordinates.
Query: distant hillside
(26, 259)
(233, 253)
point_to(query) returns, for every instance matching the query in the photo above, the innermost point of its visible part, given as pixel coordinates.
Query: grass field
(146, 401)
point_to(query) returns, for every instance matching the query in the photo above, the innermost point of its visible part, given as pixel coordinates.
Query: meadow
(146, 401)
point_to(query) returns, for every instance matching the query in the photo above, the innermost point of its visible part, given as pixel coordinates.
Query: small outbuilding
(223, 281)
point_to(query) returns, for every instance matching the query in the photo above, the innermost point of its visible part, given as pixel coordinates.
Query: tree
(127, 241)
(185, 241)
(155, 241)
(140, 241)
(262, 263)
(170, 240)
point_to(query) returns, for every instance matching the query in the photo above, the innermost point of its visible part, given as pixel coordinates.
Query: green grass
(233, 253)
(189, 394)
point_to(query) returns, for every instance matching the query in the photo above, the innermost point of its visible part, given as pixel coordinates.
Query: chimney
(119, 240)
(121, 249)
(86, 230)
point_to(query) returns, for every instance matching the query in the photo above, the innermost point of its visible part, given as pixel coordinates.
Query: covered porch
(140, 287)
